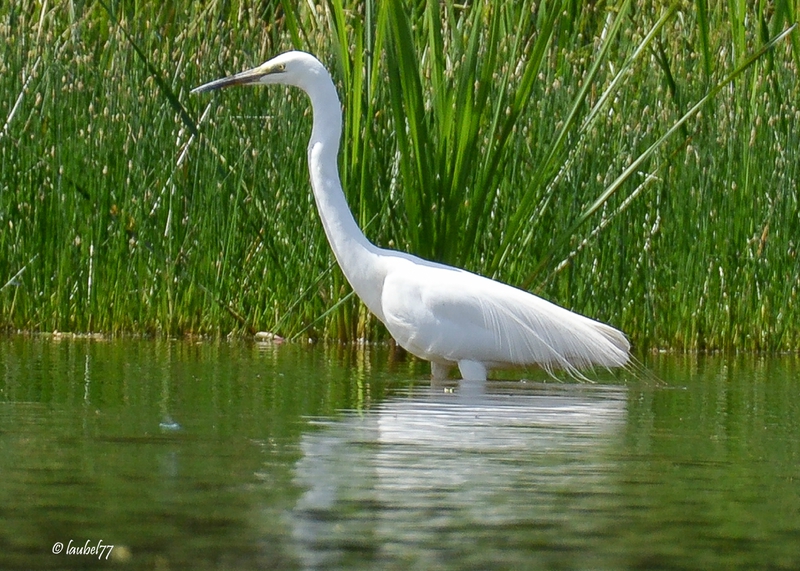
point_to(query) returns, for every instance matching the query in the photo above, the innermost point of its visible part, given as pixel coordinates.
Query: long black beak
(248, 77)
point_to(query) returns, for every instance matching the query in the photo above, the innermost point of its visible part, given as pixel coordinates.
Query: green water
(238, 456)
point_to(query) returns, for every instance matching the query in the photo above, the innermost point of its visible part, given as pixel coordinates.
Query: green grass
(550, 145)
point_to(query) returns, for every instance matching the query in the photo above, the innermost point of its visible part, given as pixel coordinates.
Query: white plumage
(441, 314)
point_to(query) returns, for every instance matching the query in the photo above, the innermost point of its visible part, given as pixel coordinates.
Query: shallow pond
(236, 455)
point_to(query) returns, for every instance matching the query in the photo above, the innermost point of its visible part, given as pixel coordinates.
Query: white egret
(445, 315)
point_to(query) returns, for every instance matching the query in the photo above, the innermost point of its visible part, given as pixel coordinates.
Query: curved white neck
(359, 259)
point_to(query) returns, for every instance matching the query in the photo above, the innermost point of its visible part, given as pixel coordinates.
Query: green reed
(554, 146)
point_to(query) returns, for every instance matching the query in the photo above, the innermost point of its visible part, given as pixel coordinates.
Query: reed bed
(636, 164)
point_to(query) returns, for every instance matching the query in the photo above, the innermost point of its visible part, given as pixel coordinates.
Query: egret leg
(439, 372)
(472, 370)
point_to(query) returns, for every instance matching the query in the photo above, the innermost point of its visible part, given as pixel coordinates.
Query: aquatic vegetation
(528, 153)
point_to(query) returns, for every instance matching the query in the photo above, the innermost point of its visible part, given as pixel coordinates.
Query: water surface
(235, 455)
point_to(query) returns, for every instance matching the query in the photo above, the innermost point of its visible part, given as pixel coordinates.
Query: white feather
(438, 313)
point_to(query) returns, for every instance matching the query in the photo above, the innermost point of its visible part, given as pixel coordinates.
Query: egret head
(290, 68)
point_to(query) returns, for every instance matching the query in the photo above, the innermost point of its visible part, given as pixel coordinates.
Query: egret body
(445, 315)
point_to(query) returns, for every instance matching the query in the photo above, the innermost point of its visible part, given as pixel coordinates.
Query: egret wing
(447, 315)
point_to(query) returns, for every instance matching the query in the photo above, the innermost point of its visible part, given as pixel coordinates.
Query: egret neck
(359, 259)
